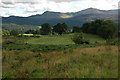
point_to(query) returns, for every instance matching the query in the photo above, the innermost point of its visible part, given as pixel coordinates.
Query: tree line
(60, 28)
(103, 28)
(47, 29)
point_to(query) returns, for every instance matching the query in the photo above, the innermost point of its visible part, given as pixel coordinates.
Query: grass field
(56, 56)
(52, 40)
(99, 62)
(63, 40)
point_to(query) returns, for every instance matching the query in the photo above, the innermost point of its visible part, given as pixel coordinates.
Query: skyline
(26, 8)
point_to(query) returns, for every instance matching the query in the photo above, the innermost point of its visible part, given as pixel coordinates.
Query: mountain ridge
(71, 19)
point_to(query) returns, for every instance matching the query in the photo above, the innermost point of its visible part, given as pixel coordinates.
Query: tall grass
(99, 62)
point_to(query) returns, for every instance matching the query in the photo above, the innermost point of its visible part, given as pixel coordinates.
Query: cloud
(36, 1)
(22, 1)
(58, 1)
(119, 4)
(2, 5)
(7, 1)
(64, 0)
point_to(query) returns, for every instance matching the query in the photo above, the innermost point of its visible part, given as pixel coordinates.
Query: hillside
(72, 19)
(11, 26)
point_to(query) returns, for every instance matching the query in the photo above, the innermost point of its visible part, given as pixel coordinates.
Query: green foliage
(85, 27)
(14, 33)
(65, 26)
(76, 29)
(112, 42)
(119, 34)
(60, 28)
(46, 29)
(108, 29)
(104, 28)
(31, 32)
(11, 26)
(79, 39)
(5, 32)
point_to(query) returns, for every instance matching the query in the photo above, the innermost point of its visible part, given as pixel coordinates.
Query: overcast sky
(32, 7)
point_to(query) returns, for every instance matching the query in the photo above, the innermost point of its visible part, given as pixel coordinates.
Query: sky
(31, 7)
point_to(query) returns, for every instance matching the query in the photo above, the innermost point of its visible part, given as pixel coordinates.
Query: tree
(5, 32)
(46, 29)
(14, 33)
(104, 28)
(108, 29)
(119, 34)
(94, 26)
(79, 39)
(85, 27)
(60, 28)
(76, 29)
(30, 32)
(65, 26)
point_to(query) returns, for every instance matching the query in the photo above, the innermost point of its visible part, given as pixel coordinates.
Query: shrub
(86, 41)
(79, 39)
(9, 42)
(112, 42)
(14, 33)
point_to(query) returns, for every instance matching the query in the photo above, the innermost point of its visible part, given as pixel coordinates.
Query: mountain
(71, 19)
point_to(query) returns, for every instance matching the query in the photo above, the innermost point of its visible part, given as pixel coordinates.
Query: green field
(63, 39)
(56, 56)
(52, 40)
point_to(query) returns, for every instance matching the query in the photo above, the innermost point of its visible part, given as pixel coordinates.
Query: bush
(86, 41)
(79, 39)
(112, 42)
(14, 33)
(9, 42)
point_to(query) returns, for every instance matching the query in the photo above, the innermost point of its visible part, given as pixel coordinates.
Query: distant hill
(11, 26)
(71, 19)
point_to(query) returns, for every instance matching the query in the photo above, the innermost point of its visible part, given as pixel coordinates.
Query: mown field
(56, 56)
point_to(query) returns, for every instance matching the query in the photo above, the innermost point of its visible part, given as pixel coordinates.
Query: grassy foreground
(98, 62)
(58, 57)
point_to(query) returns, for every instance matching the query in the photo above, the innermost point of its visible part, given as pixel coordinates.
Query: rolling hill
(71, 19)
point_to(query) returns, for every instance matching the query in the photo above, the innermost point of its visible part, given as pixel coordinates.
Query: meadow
(56, 56)
(63, 40)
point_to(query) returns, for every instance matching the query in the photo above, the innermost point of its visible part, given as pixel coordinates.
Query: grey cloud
(7, 5)
(30, 11)
(7, 1)
(63, 0)
(119, 5)
(12, 3)
(20, 1)
(28, 1)
(35, 11)
(35, 1)
(27, 11)
(115, 6)
(67, 0)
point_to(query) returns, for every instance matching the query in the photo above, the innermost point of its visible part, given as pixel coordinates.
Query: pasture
(64, 39)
